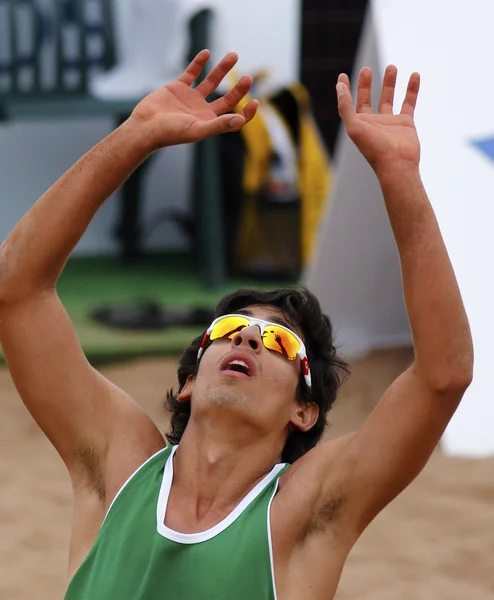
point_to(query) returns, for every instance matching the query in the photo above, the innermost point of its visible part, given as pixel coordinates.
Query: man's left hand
(387, 141)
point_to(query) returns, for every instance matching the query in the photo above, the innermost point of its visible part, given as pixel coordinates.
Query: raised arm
(76, 407)
(376, 463)
(34, 254)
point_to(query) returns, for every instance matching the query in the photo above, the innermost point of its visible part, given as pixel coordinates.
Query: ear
(185, 393)
(305, 417)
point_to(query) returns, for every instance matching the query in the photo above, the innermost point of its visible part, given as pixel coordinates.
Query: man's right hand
(177, 113)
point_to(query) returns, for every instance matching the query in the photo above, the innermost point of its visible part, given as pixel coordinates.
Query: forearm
(34, 254)
(441, 334)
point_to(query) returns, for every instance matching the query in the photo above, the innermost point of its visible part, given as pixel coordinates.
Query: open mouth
(237, 366)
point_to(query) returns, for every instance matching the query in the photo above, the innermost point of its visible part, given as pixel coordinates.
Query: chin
(226, 395)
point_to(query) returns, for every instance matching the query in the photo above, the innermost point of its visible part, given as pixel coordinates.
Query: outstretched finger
(343, 78)
(233, 97)
(364, 98)
(388, 90)
(194, 69)
(411, 96)
(249, 111)
(345, 103)
(217, 75)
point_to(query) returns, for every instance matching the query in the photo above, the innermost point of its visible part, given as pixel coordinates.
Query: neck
(216, 466)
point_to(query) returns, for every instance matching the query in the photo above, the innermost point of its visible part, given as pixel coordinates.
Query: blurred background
(286, 200)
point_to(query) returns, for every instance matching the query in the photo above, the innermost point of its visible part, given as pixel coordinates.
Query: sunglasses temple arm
(308, 380)
(204, 342)
(306, 370)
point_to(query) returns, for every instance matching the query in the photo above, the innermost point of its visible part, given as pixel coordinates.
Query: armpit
(331, 510)
(89, 472)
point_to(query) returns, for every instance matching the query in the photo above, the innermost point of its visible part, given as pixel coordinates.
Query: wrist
(407, 205)
(139, 135)
(398, 177)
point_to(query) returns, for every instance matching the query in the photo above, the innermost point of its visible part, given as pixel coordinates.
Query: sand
(434, 542)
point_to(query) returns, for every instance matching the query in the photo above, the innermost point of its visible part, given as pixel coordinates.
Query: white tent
(356, 270)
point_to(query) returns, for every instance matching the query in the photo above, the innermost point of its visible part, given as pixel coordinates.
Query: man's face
(265, 397)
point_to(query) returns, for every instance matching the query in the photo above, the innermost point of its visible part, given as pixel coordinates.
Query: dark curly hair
(302, 310)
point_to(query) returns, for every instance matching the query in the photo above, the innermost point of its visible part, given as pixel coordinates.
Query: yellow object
(314, 174)
(258, 152)
(258, 238)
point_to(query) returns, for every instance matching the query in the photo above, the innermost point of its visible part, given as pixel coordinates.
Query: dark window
(330, 35)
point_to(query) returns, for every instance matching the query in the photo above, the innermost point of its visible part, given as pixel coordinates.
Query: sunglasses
(274, 337)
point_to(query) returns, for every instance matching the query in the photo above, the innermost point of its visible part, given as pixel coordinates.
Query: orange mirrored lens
(274, 337)
(228, 327)
(281, 340)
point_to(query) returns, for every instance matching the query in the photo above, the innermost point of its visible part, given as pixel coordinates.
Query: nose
(249, 336)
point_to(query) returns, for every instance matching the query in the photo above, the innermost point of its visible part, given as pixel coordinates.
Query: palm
(387, 136)
(383, 138)
(180, 113)
(177, 106)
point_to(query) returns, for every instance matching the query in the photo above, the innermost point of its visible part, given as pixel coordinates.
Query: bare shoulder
(97, 479)
(319, 466)
(134, 438)
(311, 497)
(137, 439)
(306, 521)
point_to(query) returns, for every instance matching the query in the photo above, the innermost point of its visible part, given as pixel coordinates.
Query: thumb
(345, 104)
(223, 124)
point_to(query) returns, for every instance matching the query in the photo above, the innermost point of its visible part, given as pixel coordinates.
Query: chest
(139, 554)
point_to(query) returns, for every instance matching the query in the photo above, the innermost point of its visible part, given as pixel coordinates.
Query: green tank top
(136, 557)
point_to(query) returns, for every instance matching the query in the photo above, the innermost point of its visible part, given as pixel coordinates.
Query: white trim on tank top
(203, 536)
(270, 539)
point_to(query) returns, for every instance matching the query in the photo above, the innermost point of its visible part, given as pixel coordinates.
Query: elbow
(18, 284)
(452, 380)
(462, 373)
(452, 385)
(12, 288)
(459, 381)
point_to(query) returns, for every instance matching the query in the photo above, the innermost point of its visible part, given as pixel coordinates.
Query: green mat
(170, 280)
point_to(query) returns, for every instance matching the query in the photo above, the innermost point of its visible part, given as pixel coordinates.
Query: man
(219, 516)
